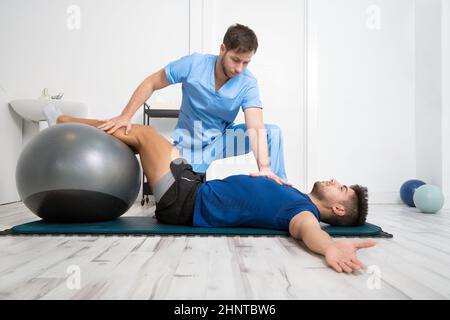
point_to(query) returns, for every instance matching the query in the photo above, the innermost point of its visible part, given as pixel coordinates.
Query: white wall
(10, 146)
(118, 44)
(361, 94)
(432, 93)
(446, 100)
(356, 121)
(428, 96)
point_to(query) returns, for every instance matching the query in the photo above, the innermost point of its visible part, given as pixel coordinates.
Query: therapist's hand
(111, 125)
(269, 174)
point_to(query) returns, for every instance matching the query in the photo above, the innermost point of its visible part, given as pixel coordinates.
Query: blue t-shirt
(201, 102)
(247, 201)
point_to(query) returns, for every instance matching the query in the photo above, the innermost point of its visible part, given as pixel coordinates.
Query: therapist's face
(232, 62)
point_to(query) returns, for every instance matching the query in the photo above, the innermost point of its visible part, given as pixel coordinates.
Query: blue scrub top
(245, 201)
(201, 102)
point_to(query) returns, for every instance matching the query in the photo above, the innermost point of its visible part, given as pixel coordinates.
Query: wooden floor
(415, 264)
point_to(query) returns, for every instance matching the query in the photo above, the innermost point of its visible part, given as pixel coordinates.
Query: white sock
(51, 113)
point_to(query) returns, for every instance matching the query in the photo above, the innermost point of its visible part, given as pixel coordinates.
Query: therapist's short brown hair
(240, 38)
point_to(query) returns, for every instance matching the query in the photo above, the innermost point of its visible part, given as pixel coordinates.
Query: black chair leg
(154, 113)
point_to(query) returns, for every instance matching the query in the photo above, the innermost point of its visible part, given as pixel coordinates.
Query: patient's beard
(318, 191)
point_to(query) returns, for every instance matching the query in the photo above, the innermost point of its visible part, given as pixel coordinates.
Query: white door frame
(202, 33)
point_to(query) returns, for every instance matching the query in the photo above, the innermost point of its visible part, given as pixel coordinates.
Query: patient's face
(332, 191)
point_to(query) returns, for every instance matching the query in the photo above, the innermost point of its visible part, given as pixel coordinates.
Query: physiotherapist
(214, 89)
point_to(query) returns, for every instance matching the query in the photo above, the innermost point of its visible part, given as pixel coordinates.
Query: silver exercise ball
(73, 173)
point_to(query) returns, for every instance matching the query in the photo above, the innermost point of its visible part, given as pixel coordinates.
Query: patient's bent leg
(155, 151)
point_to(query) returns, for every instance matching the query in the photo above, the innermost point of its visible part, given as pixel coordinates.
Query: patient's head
(340, 205)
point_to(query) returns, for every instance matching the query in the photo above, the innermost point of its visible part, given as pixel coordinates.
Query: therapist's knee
(273, 131)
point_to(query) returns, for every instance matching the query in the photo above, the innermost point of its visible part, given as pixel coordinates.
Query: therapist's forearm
(142, 93)
(258, 142)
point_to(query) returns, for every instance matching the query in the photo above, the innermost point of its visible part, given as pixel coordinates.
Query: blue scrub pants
(235, 142)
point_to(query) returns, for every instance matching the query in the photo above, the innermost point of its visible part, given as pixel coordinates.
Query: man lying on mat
(183, 198)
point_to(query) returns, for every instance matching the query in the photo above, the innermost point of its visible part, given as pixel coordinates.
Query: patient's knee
(142, 133)
(63, 119)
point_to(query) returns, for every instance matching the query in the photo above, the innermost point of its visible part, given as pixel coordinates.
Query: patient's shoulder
(304, 217)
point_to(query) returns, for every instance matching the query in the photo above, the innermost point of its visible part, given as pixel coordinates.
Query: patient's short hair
(356, 209)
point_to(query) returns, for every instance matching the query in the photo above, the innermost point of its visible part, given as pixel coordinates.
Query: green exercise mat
(150, 226)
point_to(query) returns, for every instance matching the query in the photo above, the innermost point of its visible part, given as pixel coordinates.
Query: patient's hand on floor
(341, 255)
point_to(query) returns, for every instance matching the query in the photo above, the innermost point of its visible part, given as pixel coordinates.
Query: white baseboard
(447, 201)
(384, 198)
(394, 198)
